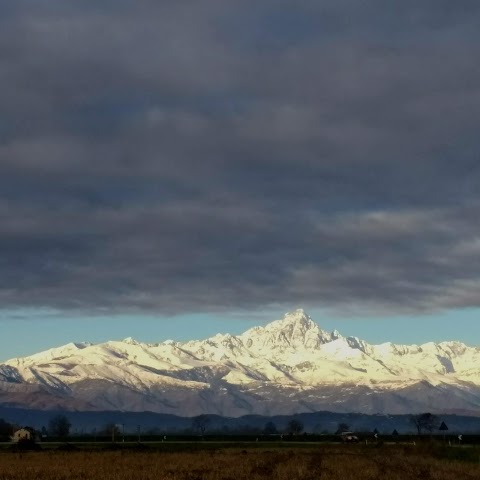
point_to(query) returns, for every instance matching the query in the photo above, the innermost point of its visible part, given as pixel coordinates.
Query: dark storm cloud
(186, 156)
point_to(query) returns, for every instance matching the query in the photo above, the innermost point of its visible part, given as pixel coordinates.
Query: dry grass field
(323, 462)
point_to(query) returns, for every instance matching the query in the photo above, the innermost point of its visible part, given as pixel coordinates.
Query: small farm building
(23, 434)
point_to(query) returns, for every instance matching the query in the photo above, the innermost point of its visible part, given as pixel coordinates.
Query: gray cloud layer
(199, 155)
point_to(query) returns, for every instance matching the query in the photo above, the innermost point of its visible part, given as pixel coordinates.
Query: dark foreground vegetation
(428, 460)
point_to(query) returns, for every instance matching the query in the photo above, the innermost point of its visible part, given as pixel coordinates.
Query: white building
(23, 434)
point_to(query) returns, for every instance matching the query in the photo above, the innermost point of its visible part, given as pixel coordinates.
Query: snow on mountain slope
(290, 365)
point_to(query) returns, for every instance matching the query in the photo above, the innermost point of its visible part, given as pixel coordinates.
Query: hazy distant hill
(316, 422)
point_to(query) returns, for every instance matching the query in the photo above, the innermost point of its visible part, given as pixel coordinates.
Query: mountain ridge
(288, 366)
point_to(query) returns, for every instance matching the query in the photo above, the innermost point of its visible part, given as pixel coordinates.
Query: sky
(174, 169)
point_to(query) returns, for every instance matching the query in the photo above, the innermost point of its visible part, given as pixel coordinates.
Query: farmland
(243, 461)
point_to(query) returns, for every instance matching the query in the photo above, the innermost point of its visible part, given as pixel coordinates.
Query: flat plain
(326, 462)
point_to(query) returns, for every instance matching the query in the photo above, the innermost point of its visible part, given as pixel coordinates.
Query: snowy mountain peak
(130, 341)
(297, 315)
(296, 319)
(335, 335)
(296, 330)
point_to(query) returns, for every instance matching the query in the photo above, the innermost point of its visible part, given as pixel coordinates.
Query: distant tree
(225, 429)
(318, 429)
(6, 429)
(112, 430)
(59, 426)
(200, 423)
(270, 428)
(342, 427)
(248, 430)
(424, 422)
(295, 427)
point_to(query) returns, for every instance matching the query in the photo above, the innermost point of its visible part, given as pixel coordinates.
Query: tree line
(59, 427)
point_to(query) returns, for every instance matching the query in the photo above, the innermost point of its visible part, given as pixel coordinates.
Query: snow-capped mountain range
(289, 366)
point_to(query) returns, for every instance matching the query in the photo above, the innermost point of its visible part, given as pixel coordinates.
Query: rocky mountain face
(289, 366)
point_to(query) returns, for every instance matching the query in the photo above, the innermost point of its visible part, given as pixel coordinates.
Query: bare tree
(295, 427)
(342, 427)
(6, 429)
(270, 428)
(59, 426)
(111, 429)
(424, 422)
(200, 423)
